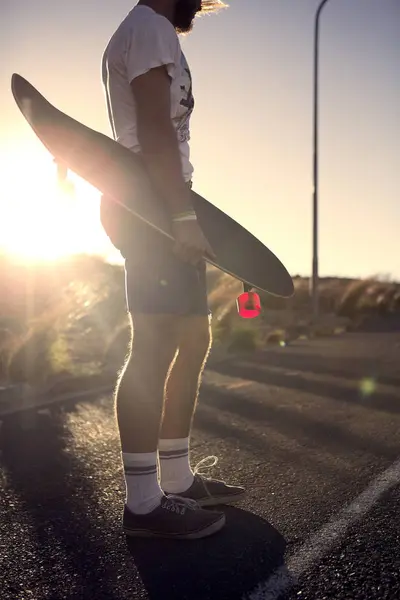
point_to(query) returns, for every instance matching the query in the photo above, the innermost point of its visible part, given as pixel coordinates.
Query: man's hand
(190, 242)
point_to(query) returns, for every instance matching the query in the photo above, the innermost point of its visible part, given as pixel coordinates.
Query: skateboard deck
(119, 174)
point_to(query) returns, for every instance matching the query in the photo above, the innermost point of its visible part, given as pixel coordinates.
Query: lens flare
(367, 386)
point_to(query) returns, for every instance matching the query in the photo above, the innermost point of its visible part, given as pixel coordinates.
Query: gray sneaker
(211, 492)
(176, 518)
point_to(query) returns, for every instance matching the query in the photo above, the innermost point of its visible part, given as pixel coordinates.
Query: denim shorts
(156, 280)
(164, 284)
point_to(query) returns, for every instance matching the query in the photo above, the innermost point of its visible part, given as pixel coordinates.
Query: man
(149, 98)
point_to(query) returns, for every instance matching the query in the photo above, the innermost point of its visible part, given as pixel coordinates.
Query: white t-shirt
(143, 41)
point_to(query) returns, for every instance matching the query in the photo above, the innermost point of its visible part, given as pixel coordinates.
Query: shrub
(244, 339)
(350, 303)
(39, 355)
(277, 337)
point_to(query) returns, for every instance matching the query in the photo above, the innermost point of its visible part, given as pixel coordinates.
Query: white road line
(323, 540)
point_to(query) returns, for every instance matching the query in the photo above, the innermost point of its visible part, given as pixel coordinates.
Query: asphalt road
(312, 431)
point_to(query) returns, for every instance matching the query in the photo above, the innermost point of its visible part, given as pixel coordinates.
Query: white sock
(175, 472)
(143, 492)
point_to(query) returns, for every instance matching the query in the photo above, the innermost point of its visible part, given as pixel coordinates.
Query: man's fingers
(187, 253)
(193, 254)
(211, 254)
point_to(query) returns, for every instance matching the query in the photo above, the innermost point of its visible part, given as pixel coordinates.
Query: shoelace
(203, 464)
(206, 463)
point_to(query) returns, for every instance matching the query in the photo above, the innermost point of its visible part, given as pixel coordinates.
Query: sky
(251, 134)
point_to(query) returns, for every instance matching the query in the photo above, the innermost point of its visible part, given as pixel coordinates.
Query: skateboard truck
(248, 303)
(62, 178)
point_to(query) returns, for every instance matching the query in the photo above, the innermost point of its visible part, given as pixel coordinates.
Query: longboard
(118, 173)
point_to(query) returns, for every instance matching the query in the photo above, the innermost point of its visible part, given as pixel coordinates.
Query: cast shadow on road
(55, 489)
(378, 400)
(336, 366)
(312, 431)
(259, 444)
(228, 565)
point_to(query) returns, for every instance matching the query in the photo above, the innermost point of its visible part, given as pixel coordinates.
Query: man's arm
(158, 140)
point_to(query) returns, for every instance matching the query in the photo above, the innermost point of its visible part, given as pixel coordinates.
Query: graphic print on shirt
(186, 103)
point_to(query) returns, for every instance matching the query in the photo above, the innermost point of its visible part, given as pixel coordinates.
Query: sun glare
(41, 221)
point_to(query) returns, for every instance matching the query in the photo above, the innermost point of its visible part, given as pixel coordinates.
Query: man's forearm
(161, 155)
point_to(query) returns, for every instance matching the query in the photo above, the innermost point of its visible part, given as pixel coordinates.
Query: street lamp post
(315, 276)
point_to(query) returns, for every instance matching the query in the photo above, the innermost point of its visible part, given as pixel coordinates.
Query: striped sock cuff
(134, 470)
(170, 454)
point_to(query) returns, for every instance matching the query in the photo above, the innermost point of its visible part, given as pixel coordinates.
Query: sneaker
(211, 492)
(176, 518)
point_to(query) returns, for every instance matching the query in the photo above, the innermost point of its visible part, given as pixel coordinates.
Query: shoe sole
(195, 535)
(213, 501)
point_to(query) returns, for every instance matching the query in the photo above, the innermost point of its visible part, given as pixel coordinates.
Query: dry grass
(68, 319)
(244, 339)
(59, 318)
(369, 296)
(277, 337)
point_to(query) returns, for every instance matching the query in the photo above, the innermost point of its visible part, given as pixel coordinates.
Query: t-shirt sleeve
(151, 45)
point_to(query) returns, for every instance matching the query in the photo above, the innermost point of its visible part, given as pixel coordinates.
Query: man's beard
(185, 12)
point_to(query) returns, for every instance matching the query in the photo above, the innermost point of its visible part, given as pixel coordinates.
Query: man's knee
(195, 338)
(154, 340)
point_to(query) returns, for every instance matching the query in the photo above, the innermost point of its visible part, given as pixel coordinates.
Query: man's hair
(212, 5)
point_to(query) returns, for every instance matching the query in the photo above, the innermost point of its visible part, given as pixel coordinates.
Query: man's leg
(180, 402)
(182, 389)
(148, 511)
(194, 343)
(139, 404)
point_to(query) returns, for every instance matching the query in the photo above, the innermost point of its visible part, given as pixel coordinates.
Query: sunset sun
(41, 220)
